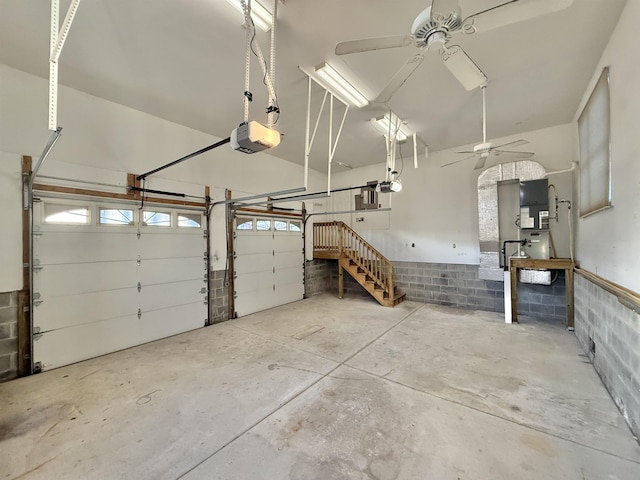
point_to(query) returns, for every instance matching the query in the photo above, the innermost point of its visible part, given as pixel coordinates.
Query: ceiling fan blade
(463, 68)
(371, 44)
(457, 161)
(513, 12)
(480, 163)
(465, 151)
(516, 143)
(441, 9)
(512, 154)
(399, 78)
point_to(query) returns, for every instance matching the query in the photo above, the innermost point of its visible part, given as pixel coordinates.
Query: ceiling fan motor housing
(483, 148)
(430, 31)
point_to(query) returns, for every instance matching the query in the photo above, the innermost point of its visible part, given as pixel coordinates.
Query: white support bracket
(56, 42)
(310, 137)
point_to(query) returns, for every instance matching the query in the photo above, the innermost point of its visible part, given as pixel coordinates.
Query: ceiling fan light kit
(340, 86)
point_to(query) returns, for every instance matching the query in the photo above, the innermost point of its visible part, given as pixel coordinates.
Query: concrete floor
(325, 389)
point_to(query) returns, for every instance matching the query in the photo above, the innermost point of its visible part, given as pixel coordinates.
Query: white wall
(103, 139)
(607, 242)
(11, 221)
(438, 206)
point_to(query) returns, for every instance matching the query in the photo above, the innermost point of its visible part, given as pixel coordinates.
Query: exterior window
(115, 216)
(280, 225)
(263, 225)
(595, 149)
(244, 223)
(156, 219)
(189, 220)
(295, 226)
(66, 214)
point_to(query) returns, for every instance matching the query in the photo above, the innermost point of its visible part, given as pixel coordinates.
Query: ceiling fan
(483, 150)
(435, 26)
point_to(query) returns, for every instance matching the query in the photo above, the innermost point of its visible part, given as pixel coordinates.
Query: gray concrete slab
(353, 425)
(325, 389)
(533, 373)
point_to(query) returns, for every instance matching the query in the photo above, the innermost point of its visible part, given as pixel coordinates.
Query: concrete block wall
(459, 286)
(450, 284)
(609, 332)
(8, 335)
(317, 276)
(219, 296)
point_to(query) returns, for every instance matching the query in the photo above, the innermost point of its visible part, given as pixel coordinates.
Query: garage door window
(263, 225)
(156, 219)
(244, 223)
(189, 220)
(295, 226)
(115, 216)
(66, 214)
(280, 225)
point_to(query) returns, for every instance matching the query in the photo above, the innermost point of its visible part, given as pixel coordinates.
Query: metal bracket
(139, 314)
(139, 287)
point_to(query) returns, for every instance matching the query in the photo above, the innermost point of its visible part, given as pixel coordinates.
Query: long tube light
(390, 122)
(340, 86)
(260, 15)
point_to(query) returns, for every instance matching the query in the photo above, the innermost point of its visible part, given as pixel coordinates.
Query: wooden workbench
(565, 264)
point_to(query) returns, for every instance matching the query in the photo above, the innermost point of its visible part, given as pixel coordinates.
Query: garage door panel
(168, 294)
(260, 300)
(82, 247)
(290, 260)
(288, 275)
(288, 243)
(253, 282)
(171, 270)
(99, 338)
(83, 308)
(56, 280)
(253, 263)
(256, 243)
(165, 245)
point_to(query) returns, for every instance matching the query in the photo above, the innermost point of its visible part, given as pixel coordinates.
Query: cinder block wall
(317, 276)
(609, 332)
(219, 296)
(8, 335)
(459, 286)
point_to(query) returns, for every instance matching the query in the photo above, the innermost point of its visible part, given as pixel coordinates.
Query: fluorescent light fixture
(392, 123)
(338, 85)
(260, 15)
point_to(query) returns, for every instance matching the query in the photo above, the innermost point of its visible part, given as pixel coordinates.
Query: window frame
(592, 164)
(129, 225)
(143, 223)
(69, 206)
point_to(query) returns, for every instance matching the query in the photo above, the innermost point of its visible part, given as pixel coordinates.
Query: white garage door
(268, 264)
(110, 276)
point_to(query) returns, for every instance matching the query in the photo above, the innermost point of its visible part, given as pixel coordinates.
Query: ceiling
(183, 60)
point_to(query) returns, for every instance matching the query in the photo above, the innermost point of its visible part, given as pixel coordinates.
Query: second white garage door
(269, 263)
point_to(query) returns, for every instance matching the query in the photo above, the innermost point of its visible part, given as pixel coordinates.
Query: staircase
(336, 240)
